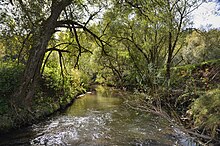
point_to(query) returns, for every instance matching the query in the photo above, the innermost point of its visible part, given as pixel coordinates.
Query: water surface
(97, 119)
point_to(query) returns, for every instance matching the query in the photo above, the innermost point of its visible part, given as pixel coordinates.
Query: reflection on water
(97, 120)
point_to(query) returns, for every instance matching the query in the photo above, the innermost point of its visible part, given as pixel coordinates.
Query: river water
(96, 120)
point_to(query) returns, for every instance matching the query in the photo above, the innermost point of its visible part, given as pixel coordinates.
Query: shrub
(54, 83)
(205, 111)
(10, 74)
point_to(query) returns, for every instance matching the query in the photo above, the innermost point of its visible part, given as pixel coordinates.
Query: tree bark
(26, 91)
(169, 58)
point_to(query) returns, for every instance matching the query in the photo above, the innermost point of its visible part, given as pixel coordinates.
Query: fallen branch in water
(149, 108)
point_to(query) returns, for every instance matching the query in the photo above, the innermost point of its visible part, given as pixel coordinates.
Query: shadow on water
(98, 120)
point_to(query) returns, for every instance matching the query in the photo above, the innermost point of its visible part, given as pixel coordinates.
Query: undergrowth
(53, 92)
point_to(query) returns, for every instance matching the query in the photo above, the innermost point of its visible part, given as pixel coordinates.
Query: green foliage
(200, 46)
(150, 79)
(139, 38)
(10, 75)
(63, 86)
(205, 110)
(195, 94)
(196, 77)
(3, 106)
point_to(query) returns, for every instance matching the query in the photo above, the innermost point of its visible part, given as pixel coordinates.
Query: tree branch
(73, 24)
(56, 49)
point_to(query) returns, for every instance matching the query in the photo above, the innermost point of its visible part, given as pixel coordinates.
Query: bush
(10, 74)
(53, 84)
(205, 111)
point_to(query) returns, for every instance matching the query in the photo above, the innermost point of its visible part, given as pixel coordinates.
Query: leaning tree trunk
(26, 91)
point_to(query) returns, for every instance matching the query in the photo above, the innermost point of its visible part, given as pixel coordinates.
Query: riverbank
(100, 118)
(191, 101)
(20, 117)
(53, 93)
(195, 98)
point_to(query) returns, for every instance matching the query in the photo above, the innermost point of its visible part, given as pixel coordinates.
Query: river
(96, 120)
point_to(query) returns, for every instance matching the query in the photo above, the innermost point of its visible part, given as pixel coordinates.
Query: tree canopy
(134, 44)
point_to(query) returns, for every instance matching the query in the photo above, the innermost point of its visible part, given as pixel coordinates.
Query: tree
(201, 46)
(145, 30)
(177, 13)
(41, 38)
(44, 19)
(152, 33)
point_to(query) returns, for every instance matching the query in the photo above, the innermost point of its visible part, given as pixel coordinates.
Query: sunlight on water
(100, 120)
(66, 130)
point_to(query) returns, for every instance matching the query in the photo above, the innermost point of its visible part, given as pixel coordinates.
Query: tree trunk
(26, 91)
(169, 57)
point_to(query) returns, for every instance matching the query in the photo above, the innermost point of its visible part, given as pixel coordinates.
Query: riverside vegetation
(52, 51)
(54, 93)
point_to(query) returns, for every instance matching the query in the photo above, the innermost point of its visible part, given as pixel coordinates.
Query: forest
(53, 50)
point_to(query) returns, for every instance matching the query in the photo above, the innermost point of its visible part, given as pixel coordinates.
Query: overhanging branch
(56, 49)
(50, 50)
(74, 24)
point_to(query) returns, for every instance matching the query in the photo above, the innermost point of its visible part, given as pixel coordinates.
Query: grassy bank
(192, 100)
(53, 93)
(195, 97)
